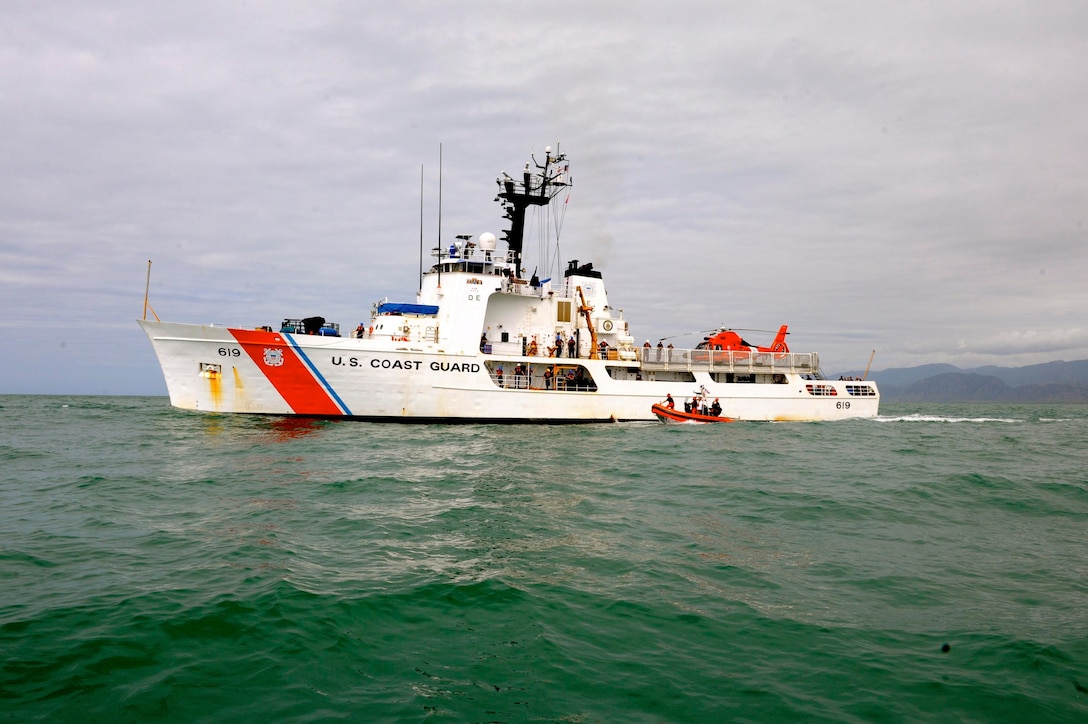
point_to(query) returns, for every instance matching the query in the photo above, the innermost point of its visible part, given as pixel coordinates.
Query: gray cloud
(901, 178)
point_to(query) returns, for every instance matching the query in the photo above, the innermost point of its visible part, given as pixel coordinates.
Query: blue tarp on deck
(392, 308)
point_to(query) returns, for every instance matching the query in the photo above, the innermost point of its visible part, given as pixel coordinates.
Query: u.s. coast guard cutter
(482, 343)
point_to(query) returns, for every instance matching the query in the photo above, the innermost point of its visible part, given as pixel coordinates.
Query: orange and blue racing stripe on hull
(283, 362)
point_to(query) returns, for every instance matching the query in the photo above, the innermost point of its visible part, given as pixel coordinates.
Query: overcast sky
(910, 178)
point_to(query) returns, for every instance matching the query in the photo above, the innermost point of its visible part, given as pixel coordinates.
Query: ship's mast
(535, 189)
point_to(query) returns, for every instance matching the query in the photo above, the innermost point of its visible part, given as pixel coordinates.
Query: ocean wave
(917, 417)
(167, 566)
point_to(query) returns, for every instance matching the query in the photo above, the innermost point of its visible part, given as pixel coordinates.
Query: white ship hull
(218, 369)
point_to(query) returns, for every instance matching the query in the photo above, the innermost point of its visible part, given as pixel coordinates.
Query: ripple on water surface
(166, 565)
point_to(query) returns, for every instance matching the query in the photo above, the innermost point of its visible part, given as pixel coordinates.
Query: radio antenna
(420, 228)
(440, 198)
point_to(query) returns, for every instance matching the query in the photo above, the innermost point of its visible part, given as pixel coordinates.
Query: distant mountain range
(1048, 382)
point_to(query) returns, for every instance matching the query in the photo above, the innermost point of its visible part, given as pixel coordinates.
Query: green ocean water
(159, 565)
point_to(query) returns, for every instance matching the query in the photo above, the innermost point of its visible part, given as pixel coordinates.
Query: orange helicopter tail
(779, 343)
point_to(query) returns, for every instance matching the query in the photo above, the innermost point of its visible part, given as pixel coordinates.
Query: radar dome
(487, 241)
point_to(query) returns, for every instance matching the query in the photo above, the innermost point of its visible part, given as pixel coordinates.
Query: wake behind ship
(483, 343)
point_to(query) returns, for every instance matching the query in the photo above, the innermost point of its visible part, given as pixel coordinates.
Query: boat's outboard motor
(312, 325)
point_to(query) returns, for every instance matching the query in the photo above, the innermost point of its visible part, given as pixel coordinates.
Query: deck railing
(728, 360)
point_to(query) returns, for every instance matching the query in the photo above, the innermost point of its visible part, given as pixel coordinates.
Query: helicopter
(728, 339)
